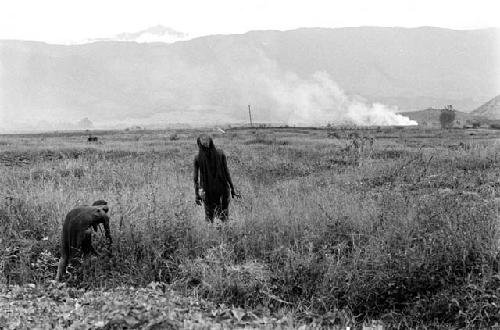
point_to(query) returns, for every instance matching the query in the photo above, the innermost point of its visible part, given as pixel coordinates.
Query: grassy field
(404, 231)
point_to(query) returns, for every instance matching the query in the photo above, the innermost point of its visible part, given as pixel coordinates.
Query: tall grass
(401, 233)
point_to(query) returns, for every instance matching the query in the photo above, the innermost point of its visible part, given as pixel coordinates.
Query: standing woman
(214, 185)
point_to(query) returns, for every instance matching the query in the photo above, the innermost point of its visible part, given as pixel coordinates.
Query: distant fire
(320, 100)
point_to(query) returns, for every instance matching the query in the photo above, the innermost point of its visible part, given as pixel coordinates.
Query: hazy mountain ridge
(490, 109)
(214, 78)
(430, 117)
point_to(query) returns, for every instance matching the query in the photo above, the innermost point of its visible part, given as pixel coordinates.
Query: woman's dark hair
(207, 154)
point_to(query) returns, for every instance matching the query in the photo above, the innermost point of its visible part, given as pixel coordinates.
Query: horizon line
(188, 38)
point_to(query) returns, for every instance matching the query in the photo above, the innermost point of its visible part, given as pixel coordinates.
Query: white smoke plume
(319, 100)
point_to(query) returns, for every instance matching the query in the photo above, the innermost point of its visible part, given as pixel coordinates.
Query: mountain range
(286, 76)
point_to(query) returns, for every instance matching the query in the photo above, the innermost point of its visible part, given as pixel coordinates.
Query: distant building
(430, 124)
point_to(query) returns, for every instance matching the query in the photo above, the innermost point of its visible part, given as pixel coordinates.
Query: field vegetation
(404, 232)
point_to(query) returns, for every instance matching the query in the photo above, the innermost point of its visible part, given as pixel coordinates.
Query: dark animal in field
(92, 139)
(77, 231)
(215, 185)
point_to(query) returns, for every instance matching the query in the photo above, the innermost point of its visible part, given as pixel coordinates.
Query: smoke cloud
(215, 90)
(319, 100)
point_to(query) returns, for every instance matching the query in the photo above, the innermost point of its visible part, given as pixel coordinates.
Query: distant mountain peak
(490, 109)
(157, 33)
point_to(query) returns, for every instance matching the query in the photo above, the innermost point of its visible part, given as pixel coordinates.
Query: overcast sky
(73, 20)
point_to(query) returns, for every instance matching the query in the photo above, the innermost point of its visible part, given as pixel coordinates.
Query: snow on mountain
(158, 33)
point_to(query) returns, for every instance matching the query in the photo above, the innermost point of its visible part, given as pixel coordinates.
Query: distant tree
(446, 117)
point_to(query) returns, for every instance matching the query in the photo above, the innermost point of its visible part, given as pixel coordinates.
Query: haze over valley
(306, 76)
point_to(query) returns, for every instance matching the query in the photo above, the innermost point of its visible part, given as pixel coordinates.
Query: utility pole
(250, 115)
